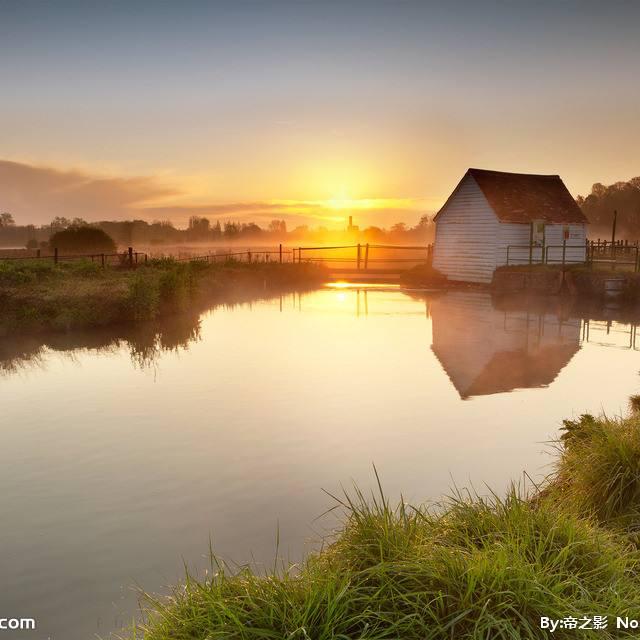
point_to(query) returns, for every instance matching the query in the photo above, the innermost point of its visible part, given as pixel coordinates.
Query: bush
(423, 274)
(82, 239)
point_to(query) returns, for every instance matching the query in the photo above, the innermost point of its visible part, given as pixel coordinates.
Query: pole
(531, 243)
(280, 252)
(613, 229)
(366, 256)
(564, 250)
(102, 259)
(131, 256)
(358, 256)
(55, 255)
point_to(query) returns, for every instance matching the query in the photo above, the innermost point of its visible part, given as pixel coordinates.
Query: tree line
(599, 205)
(202, 229)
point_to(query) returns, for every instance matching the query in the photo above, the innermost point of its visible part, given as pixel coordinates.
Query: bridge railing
(362, 255)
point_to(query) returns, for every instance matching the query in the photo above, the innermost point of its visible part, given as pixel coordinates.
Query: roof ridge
(512, 173)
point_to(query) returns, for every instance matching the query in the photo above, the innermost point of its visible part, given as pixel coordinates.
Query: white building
(492, 216)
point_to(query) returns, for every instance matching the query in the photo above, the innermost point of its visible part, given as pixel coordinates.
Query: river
(124, 452)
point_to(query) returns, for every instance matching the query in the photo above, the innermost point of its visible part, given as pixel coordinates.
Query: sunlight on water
(123, 452)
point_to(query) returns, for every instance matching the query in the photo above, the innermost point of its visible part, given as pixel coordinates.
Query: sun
(340, 200)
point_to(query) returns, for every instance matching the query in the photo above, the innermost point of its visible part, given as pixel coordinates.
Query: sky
(307, 111)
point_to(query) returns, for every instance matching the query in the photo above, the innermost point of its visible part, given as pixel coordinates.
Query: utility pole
(613, 229)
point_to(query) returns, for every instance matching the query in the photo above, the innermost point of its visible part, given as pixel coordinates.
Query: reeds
(472, 567)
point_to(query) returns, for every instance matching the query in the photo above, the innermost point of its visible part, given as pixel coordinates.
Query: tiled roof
(523, 197)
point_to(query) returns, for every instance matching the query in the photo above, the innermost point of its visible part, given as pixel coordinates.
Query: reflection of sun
(341, 296)
(338, 285)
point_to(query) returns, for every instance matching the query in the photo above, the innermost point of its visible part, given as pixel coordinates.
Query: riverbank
(576, 281)
(472, 567)
(42, 296)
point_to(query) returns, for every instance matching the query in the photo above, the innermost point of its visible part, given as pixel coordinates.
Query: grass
(472, 567)
(39, 295)
(598, 471)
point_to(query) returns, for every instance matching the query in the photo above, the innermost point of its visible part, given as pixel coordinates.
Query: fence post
(530, 244)
(586, 251)
(358, 256)
(366, 256)
(102, 259)
(249, 257)
(145, 258)
(280, 252)
(55, 255)
(38, 253)
(299, 255)
(131, 256)
(564, 251)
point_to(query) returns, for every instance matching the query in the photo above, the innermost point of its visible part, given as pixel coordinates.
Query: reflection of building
(484, 350)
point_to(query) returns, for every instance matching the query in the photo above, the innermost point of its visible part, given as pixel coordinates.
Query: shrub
(144, 298)
(82, 239)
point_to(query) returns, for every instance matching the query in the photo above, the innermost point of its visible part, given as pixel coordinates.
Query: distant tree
(82, 239)
(199, 227)
(599, 205)
(278, 227)
(6, 220)
(59, 223)
(32, 243)
(251, 229)
(231, 230)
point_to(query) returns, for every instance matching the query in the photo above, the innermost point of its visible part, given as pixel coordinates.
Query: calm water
(121, 455)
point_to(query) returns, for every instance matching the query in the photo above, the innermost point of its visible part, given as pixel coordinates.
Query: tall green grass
(473, 567)
(598, 472)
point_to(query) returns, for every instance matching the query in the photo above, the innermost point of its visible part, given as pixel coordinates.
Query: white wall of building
(466, 235)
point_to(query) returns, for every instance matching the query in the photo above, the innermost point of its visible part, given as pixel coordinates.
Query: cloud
(35, 195)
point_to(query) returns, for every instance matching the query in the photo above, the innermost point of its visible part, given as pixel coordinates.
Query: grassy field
(39, 295)
(470, 568)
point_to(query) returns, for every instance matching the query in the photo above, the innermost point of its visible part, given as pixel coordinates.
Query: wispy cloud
(35, 195)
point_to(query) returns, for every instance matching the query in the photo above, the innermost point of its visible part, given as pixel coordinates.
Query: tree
(60, 222)
(82, 239)
(278, 227)
(6, 220)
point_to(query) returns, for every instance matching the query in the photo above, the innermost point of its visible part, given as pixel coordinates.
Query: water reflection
(486, 350)
(145, 342)
(485, 345)
(125, 449)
